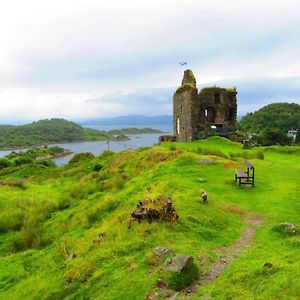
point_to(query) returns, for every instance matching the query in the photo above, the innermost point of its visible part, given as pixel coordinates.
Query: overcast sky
(93, 58)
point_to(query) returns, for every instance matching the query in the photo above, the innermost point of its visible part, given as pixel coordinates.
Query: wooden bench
(245, 177)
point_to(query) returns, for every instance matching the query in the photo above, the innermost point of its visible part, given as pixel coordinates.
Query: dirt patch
(229, 254)
(233, 164)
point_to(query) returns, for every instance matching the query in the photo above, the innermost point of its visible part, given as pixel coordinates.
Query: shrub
(97, 168)
(11, 221)
(214, 152)
(13, 182)
(30, 236)
(247, 155)
(23, 160)
(5, 163)
(81, 156)
(46, 163)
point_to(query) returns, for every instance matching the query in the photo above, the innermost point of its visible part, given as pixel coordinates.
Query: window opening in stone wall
(217, 98)
(205, 112)
(210, 114)
(177, 126)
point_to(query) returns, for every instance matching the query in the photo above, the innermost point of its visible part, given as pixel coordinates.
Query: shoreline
(55, 143)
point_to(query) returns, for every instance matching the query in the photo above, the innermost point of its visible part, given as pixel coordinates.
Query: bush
(5, 163)
(14, 182)
(97, 168)
(46, 163)
(23, 160)
(272, 137)
(11, 221)
(247, 155)
(81, 156)
(214, 152)
(30, 236)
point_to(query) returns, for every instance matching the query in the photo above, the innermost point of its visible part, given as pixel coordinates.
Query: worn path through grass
(229, 254)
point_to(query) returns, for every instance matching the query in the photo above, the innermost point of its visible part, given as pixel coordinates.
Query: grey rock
(289, 226)
(162, 252)
(179, 263)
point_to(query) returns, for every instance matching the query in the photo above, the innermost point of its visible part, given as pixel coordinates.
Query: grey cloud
(252, 94)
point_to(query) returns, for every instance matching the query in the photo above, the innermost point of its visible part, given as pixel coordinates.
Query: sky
(78, 59)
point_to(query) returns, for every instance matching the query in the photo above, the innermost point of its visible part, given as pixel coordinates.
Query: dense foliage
(51, 220)
(272, 122)
(282, 116)
(47, 131)
(41, 156)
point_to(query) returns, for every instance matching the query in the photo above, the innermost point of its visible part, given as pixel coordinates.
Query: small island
(133, 130)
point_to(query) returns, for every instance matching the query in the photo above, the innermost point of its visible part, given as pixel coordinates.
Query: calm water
(137, 141)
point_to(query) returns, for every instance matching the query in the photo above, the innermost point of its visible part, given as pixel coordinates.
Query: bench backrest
(248, 165)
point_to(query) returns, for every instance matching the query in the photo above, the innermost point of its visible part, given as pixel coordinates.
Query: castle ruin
(196, 114)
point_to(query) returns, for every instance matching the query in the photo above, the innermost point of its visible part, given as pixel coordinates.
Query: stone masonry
(194, 114)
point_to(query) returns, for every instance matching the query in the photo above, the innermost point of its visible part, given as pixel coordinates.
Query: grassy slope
(118, 268)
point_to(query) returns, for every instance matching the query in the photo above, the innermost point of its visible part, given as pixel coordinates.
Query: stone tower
(195, 114)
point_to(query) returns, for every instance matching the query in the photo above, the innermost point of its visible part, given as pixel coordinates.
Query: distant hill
(129, 120)
(275, 116)
(125, 131)
(48, 131)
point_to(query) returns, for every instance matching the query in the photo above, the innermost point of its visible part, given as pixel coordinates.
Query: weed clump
(247, 155)
(214, 152)
(81, 156)
(30, 236)
(20, 183)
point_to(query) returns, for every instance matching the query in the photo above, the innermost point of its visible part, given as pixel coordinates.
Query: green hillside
(48, 131)
(64, 231)
(275, 116)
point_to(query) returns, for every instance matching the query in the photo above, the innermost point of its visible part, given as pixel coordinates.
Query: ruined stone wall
(184, 113)
(193, 113)
(185, 103)
(217, 107)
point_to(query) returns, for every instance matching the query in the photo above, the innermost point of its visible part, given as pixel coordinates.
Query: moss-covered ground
(50, 219)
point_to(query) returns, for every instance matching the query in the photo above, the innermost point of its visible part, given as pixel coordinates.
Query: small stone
(289, 226)
(160, 283)
(268, 265)
(165, 293)
(99, 238)
(162, 251)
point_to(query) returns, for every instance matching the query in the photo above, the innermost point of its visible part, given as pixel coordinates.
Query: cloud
(125, 55)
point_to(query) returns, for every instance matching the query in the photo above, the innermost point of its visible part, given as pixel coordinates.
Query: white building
(292, 134)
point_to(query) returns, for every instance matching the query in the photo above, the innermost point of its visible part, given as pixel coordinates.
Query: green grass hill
(48, 131)
(64, 230)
